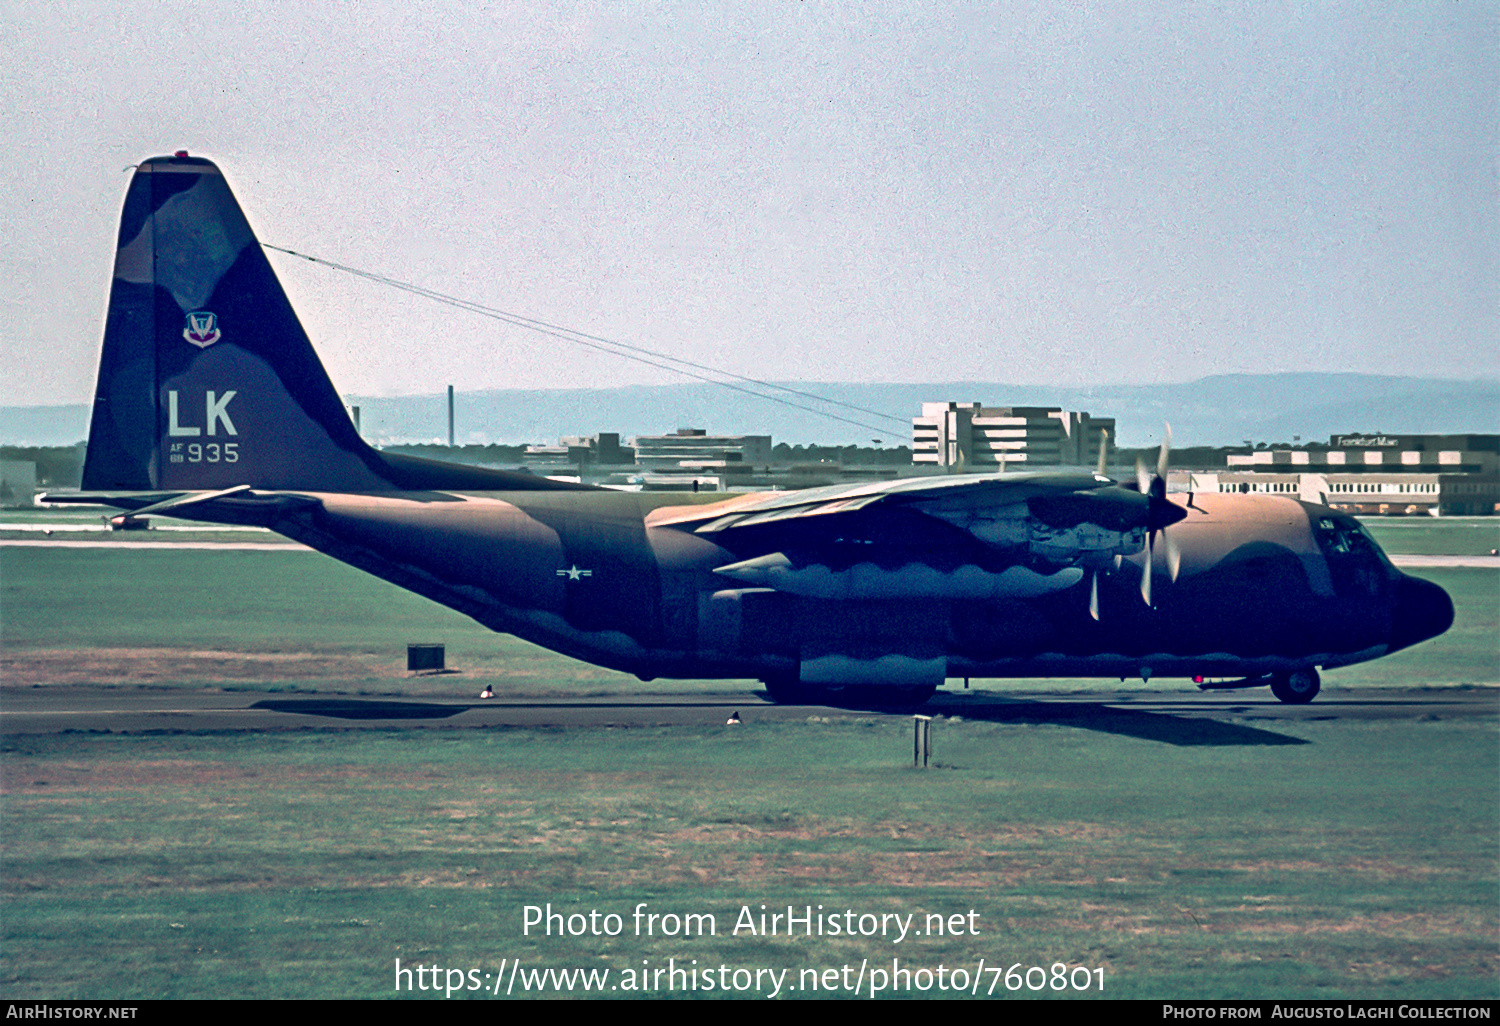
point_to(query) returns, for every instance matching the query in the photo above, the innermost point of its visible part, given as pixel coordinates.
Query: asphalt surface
(1177, 717)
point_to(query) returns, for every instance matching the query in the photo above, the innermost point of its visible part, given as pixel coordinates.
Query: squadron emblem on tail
(202, 329)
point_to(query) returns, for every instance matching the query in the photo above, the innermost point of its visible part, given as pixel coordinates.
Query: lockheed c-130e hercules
(211, 405)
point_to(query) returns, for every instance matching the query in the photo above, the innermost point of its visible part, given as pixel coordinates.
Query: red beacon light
(180, 153)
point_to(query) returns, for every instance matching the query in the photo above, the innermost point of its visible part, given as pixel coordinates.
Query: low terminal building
(690, 450)
(1378, 453)
(1362, 493)
(577, 454)
(1373, 474)
(971, 436)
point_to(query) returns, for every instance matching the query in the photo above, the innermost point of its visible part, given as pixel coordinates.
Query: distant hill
(1220, 410)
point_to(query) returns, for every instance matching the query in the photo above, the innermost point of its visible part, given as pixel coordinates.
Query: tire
(1296, 688)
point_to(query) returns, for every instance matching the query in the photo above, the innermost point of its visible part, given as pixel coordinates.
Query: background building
(696, 449)
(17, 483)
(576, 454)
(1373, 474)
(1377, 453)
(970, 436)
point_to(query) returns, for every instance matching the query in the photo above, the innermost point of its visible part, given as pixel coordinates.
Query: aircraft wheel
(791, 691)
(1296, 688)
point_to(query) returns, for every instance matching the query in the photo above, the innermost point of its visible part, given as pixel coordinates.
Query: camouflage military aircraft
(211, 405)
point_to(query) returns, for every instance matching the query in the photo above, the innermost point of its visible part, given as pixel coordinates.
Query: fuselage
(1249, 585)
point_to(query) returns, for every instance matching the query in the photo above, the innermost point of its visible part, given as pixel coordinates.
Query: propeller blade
(1103, 450)
(1174, 556)
(1142, 478)
(1166, 452)
(1146, 572)
(1094, 596)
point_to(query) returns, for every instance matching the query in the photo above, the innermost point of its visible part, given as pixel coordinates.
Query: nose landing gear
(1296, 688)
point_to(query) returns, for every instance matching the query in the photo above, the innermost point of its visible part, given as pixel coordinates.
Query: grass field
(1458, 536)
(1323, 858)
(1358, 863)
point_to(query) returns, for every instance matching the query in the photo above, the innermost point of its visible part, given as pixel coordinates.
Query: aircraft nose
(1423, 610)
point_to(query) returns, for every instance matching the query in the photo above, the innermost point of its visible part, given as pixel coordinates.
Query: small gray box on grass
(424, 658)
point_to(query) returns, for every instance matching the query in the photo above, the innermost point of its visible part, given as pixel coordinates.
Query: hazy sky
(1080, 193)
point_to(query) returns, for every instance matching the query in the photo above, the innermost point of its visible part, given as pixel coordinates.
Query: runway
(55, 710)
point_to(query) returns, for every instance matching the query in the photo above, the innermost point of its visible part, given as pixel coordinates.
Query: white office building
(971, 436)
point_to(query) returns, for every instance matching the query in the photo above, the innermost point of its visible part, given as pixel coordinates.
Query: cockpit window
(1333, 536)
(1341, 534)
(1352, 554)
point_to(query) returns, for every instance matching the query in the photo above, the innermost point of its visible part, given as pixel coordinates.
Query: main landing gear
(1296, 688)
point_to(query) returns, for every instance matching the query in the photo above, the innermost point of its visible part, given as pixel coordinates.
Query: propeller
(1161, 513)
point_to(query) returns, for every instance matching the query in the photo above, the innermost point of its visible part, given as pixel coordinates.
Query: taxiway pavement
(54, 710)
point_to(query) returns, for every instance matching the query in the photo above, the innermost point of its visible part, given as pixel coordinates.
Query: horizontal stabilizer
(181, 502)
(237, 505)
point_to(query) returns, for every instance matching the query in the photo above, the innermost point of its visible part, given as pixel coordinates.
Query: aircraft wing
(1000, 536)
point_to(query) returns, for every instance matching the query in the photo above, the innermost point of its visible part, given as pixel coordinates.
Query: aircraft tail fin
(207, 380)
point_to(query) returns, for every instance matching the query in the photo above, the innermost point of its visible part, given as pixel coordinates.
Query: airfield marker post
(921, 742)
